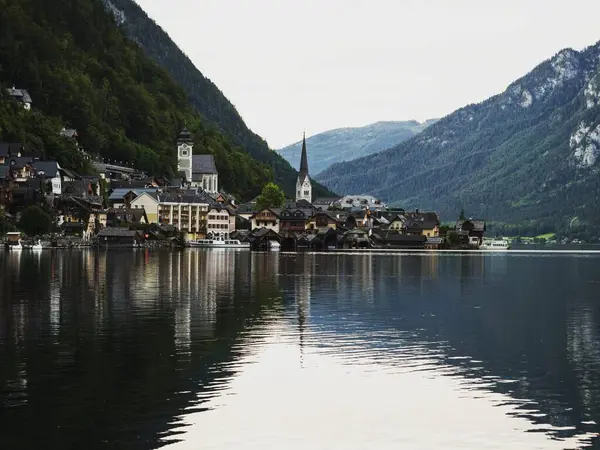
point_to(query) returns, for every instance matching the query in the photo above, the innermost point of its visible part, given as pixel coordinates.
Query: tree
(34, 221)
(272, 196)
(462, 215)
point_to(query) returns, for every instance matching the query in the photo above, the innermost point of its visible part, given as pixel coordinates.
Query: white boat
(219, 242)
(495, 245)
(16, 247)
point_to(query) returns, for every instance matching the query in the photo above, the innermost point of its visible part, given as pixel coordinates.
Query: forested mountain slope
(203, 93)
(83, 72)
(529, 154)
(347, 144)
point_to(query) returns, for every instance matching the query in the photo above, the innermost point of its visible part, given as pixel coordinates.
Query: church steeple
(303, 159)
(303, 186)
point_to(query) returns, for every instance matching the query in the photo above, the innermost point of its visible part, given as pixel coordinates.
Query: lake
(226, 349)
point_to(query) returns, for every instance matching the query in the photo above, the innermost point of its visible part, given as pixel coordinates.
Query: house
(220, 221)
(49, 171)
(362, 202)
(471, 231)
(119, 237)
(323, 221)
(21, 166)
(259, 239)
(119, 217)
(21, 96)
(148, 201)
(266, 218)
(122, 197)
(82, 216)
(293, 220)
(70, 133)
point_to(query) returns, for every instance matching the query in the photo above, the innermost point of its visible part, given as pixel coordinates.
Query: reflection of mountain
(115, 357)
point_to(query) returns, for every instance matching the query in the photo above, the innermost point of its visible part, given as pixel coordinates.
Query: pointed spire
(303, 159)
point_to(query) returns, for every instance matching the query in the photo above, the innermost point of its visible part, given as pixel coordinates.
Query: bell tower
(303, 185)
(185, 147)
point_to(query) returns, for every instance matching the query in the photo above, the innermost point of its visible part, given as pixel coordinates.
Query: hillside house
(21, 96)
(322, 221)
(471, 231)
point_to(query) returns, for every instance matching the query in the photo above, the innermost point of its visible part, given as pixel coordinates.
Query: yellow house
(148, 201)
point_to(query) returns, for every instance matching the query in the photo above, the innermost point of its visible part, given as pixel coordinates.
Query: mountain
(83, 72)
(528, 155)
(204, 95)
(346, 144)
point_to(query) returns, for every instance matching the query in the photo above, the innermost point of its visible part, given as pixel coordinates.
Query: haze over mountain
(528, 155)
(203, 93)
(347, 144)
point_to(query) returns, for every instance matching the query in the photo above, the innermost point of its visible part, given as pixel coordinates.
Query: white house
(220, 221)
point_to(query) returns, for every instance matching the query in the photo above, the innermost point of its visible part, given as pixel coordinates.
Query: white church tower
(303, 186)
(185, 147)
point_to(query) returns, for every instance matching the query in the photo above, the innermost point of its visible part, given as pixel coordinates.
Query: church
(303, 185)
(196, 170)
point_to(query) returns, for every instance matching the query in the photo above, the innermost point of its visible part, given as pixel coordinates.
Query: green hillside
(83, 72)
(204, 95)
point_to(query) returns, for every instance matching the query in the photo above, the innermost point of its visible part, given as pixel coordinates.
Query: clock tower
(185, 146)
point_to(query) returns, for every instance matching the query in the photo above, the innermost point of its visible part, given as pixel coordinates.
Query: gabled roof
(276, 211)
(120, 193)
(11, 148)
(203, 164)
(49, 168)
(20, 162)
(194, 197)
(68, 132)
(19, 94)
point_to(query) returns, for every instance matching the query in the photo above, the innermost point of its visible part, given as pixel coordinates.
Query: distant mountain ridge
(347, 144)
(202, 92)
(528, 154)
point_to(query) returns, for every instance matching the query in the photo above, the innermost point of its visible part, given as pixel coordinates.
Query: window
(306, 192)
(184, 152)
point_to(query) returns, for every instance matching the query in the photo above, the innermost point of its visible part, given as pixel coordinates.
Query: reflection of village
(122, 206)
(200, 295)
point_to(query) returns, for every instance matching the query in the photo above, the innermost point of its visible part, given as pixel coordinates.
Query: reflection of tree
(119, 376)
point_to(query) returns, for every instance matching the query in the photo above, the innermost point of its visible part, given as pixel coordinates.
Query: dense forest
(204, 95)
(527, 159)
(83, 72)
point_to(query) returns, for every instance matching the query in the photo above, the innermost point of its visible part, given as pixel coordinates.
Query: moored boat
(218, 242)
(495, 245)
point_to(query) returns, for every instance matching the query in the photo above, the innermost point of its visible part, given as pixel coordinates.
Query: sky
(314, 65)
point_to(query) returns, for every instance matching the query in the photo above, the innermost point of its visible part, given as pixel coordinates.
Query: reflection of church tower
(185, 146)
(303, 186)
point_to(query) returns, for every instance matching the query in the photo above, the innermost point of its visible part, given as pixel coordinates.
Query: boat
(219, 242)
(16, 247)
(495, 245)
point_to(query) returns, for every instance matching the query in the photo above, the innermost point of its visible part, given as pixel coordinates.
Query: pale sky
(314, 65)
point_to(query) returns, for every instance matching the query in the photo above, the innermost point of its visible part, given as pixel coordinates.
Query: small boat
(495, 245)
(219, 242)
(16, 247)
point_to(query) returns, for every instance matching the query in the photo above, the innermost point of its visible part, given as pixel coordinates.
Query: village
(124, 207)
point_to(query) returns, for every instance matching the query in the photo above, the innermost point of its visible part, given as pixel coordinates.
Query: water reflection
(141, 349)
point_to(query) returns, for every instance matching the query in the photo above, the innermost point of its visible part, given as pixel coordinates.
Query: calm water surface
(239, 350)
